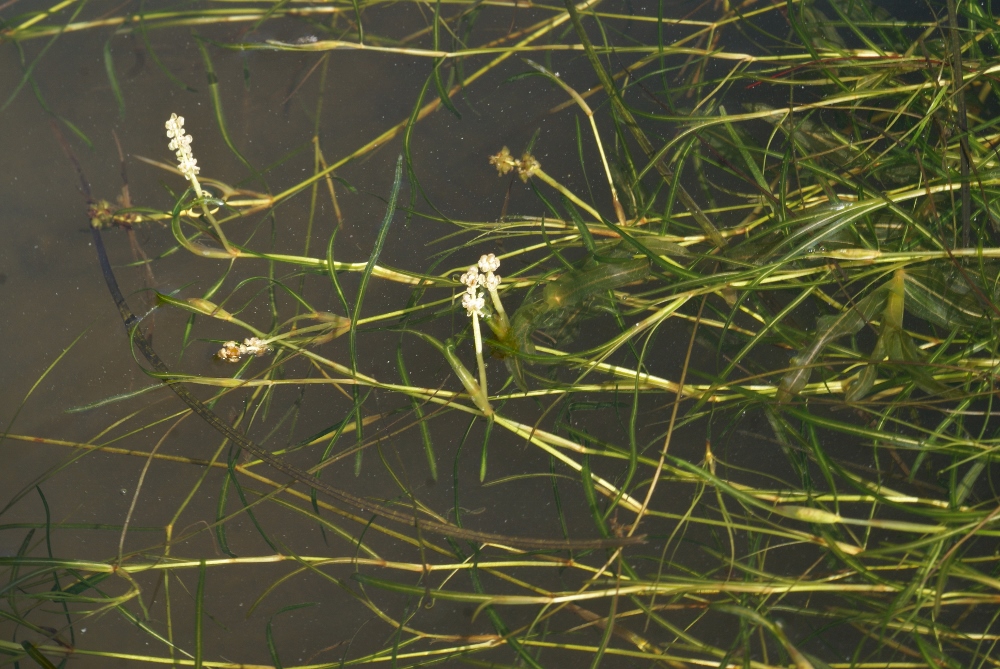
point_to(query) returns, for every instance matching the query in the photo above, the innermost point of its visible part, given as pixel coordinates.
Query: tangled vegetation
(727, 386)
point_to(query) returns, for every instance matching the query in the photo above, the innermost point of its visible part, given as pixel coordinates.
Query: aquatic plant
(745, 411)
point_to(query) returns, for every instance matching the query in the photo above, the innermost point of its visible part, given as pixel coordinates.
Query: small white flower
(257, 347)
(473, 304)
(492, 281)
(180, 144)
(489, 263)
(472, 279)
(175, 125)
(188, 165)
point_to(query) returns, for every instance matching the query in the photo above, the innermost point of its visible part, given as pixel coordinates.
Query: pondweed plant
(745, 390)
(474, 304)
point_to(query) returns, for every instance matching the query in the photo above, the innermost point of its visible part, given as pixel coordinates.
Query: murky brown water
(54, 299)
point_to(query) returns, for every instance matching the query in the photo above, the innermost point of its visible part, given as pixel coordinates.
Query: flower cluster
(488, 264)
(473, 300)
(505, 163)
(181, 145)
(477, 277)
(232, 352)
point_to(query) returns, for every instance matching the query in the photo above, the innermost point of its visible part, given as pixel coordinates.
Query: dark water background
(52, 294)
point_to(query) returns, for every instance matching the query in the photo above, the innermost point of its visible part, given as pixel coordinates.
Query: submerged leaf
(946, 298)
(196, 305)
(808, 514)
(895, 344)
(815, 139)
(573, 288)
(829, 328)
(866, 12)
(563, 300)
(819, 30)
(662, 247)
(799, 661)
(809, 230)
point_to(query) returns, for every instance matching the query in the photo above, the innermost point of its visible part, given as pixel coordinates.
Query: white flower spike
(180, 144)
(473, 303)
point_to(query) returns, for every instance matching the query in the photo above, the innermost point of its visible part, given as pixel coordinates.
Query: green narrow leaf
(220, 119)
(271, 646)
(215, 288)
(383, 233)
(499, 625)
(557, 497)
(944, 297)
(109, 68)
(969, 481)
(895, 344)
(798, 659)
(36, 655)
(274, 7)
(583, 161)
(585, 235)
(455, 478)
(35, 385)
(30, 68)
(654, 156)
(366, 275)
(357, 18)
(483, 455)
(418, 411)
(199, 611)
(588, 491)
(246, 506)
(439, 84)
(15, 568)
(220, 513)
(141, 14)
(933, 656)
(76, 131)
(85, 584)
(113, 399)
(574, 288)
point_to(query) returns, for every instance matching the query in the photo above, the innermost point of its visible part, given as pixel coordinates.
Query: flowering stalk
(180, 144)
(476, 392)
(488, 264)
(473, 302)
(474, 279)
